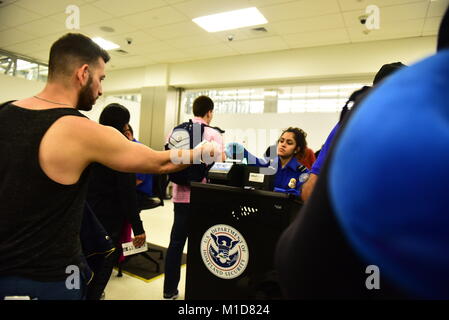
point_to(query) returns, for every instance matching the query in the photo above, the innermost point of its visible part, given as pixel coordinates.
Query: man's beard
(85, 98)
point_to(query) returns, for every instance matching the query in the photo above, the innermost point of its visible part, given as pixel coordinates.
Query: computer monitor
(234, 173)
(258, 178)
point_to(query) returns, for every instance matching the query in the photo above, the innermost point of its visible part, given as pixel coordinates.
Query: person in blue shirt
(290, 174)
(144, 181)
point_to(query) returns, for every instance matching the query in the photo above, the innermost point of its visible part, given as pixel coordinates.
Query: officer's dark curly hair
(300, 139)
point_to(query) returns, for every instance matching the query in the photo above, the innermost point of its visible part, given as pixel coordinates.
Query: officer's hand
(234, 148)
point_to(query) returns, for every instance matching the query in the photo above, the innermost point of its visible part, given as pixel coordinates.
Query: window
(315, 98)
(22, 67)
(228, 100)
(285, 99)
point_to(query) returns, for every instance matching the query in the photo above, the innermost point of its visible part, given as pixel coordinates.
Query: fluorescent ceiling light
(231, 20)
(105, 44)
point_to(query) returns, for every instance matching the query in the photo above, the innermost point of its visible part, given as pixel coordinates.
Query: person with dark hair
(203, 108)
(397, 217)
(379, 224)
(46, 148)
(356, 97)
(291, 174)
(112, 197)
(144, 181)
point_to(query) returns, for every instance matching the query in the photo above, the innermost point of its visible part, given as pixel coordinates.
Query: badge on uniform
(292, 183)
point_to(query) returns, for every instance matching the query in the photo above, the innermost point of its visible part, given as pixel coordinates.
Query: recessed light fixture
(105, 44)
(231, 20)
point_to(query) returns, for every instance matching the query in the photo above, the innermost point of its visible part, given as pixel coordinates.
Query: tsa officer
(290, 174)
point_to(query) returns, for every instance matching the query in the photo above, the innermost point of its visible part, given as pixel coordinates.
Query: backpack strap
(216, 128)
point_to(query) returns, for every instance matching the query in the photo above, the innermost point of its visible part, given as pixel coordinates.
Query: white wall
(13, 88)
(318, 63)
(257, 132)
(133, 107)
(349, 60)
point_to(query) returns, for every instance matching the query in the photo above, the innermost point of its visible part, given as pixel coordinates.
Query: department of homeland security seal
(224, 251)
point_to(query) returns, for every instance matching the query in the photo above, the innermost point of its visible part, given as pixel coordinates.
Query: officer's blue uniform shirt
(316, 167)
(287, 180)
(147, 180)
(389, 178)
(290, 178)
(147, 183)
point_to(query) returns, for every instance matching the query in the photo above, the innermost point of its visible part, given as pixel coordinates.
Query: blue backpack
(187, 136)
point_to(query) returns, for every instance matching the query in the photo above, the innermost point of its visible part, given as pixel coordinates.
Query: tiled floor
(157, 223)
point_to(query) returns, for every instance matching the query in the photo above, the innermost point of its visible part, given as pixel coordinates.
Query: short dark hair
(386, 70)
(70, 49)
(300, 139)
(202, 105)
(115, 115)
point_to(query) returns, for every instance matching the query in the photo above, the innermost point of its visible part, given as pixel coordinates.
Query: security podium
(233, 234)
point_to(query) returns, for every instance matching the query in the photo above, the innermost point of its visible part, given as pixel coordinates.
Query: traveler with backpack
(187, 135)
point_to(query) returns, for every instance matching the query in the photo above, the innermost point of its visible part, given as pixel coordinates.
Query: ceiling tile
(350, 5)
(176, 30)
(129, 61)
(88, 15)
(41, 56)
(259, 45)
(300, 9)
(119, 26)
(317, 38)
(13, 36)
(263, 3)
(48, 7)
(163, 28)
(5, 3)
(241, 34)
(155, 18)
(13, 16)
(211, 51)
(153, 46)
(41, 27)
(390, 14)
(174, 1)
(395, 30)
(139, 39)
(118, 8)
(193, 41)
(3, 27)
(334, 21)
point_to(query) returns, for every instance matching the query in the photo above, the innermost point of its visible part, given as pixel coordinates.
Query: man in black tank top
(46, 147)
